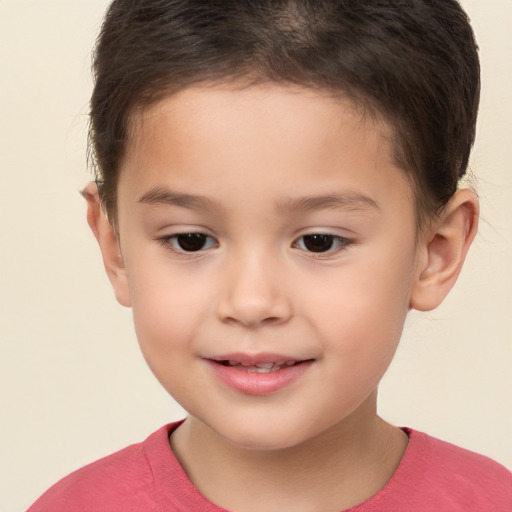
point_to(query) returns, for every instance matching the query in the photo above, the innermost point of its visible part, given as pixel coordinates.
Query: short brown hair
(412, 62)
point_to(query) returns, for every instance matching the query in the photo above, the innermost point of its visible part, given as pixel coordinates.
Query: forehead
(291, 137)
(296, 113)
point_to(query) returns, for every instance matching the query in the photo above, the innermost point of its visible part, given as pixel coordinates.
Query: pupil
(191, 241)
(318, 243)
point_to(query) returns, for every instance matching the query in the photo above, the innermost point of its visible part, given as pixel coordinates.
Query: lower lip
(254, 383)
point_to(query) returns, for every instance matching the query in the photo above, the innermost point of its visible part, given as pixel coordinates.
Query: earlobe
(444, 250)
(108, 242)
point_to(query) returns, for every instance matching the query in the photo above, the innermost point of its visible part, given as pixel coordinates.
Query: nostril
(272, 320)
(255, 321)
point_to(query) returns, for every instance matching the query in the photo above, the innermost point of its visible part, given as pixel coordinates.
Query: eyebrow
(163, 196)
(348, 200)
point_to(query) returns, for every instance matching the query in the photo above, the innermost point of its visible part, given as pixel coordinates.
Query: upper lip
(253, 359)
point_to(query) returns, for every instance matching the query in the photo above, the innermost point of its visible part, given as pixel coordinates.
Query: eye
(321, 243)
(190, 242)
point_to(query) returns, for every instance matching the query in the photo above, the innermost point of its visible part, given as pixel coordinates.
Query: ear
(443, 251)
(108, 242)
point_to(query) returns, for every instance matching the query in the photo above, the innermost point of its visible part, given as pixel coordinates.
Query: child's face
(259, 172)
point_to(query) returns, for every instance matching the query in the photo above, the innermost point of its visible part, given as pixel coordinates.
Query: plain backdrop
(73, 384)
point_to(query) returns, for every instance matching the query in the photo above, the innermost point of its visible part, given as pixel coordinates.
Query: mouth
(257, 367)
(260, 374)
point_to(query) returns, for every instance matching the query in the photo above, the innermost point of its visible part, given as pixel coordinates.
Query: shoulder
(436, 475)
(124, 480)
(449, 462)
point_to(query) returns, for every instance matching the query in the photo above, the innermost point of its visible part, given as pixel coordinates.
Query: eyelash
(337, 244)
(171, 243)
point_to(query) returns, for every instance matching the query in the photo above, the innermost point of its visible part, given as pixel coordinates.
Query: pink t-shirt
(433, 476)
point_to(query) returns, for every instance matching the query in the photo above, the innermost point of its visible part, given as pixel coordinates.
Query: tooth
(264, 365)
(289, 363)
(233, 363)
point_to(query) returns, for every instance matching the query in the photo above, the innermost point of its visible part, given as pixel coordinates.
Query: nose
(253, 293)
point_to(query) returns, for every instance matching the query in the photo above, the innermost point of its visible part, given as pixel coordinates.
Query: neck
(342, 467)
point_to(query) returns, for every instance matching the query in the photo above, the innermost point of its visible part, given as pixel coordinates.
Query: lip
(253, 359)
(252, 382)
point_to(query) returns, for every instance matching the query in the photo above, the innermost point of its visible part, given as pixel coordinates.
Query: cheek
(360, 333)
(165, 329)
(360, 314)
(166, 311)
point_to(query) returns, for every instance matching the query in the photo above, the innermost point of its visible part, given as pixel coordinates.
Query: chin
(266, 436)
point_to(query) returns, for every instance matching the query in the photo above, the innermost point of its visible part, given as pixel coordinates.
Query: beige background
(73, 386)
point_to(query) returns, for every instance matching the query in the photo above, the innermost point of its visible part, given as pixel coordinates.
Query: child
(276, 188)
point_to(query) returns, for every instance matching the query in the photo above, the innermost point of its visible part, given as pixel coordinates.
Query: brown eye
(191, 242)
(318, 243)
(322, 243)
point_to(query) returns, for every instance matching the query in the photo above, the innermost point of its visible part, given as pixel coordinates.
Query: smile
(258, 375)
(259, 367)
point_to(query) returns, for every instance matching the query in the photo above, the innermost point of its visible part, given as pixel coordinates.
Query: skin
(260, 158)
